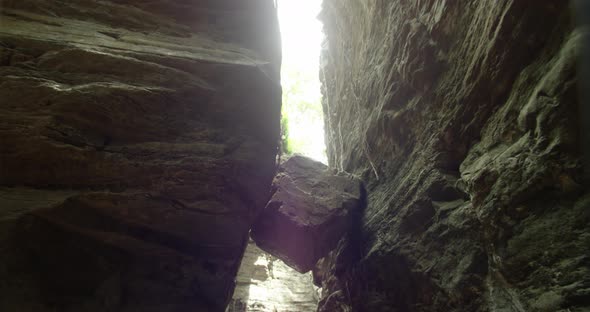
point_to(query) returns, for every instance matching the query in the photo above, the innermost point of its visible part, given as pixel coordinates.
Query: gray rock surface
(310, 210)
(132, 157)
(460, 116)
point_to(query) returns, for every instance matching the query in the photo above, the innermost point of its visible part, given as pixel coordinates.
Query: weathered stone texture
(310, 210)
(133, 159)
(461, 118)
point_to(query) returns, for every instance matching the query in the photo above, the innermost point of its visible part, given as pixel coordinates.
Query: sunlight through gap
(302, 109)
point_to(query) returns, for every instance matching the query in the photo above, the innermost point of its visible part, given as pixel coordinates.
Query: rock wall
(461, 117)
(133, 159)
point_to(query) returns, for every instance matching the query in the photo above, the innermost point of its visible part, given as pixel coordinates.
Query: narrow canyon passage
(146, 156)
(264, 282)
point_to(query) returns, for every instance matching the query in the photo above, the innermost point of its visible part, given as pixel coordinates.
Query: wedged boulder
(311, 209)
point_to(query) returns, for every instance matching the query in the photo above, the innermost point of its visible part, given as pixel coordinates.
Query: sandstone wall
(137, 143)
(461, 117)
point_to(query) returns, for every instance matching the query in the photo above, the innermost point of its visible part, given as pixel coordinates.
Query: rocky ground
(267, 284)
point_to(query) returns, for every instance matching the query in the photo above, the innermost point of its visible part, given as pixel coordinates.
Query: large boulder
(311, 209)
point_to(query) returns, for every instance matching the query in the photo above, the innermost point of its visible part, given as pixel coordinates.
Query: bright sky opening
(302, 37)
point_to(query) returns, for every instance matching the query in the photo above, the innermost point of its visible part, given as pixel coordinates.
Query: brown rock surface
(310, 210)
(132, 156)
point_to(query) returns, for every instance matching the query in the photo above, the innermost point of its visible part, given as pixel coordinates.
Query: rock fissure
(139, 142)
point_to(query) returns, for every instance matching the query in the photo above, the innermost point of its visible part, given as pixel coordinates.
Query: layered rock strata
(461, 117)
(132, 157)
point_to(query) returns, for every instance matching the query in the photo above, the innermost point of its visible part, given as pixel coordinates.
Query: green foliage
(285, 143)
(302, 115)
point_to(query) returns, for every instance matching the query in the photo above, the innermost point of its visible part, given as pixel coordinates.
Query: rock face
(132, 157)
(461, 118)
(311, 209)
(266, 284)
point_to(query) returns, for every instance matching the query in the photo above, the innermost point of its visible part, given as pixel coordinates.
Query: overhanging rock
(311, 209)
